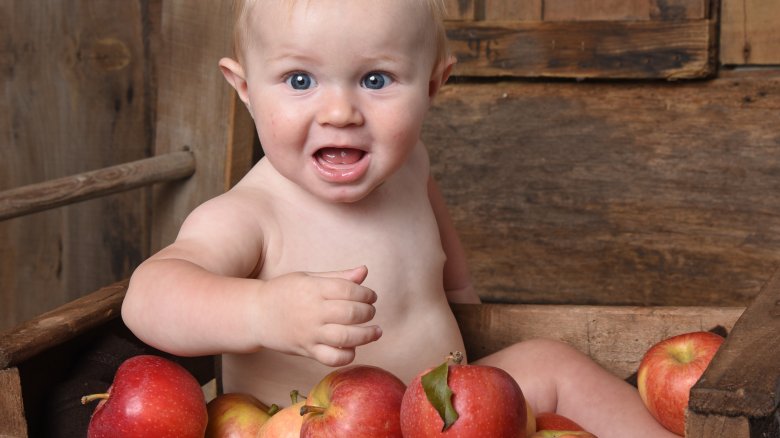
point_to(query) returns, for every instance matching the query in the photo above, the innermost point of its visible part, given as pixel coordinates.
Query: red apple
(554, 421)
(487, 402)
(286, 423)
(150, 396)
(235, 415)
(562, 434)
(667, 372)
(358, 401)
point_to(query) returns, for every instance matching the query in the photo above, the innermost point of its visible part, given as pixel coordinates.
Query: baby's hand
(317, 315)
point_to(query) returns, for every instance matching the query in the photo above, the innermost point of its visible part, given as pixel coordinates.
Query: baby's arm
(197, 296)
(457, 280)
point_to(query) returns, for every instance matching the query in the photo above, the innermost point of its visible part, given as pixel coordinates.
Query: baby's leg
(555, 377)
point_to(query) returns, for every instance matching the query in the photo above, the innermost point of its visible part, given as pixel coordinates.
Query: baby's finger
(348, 336)
(346, 312)
(344, 290)
(332, 356)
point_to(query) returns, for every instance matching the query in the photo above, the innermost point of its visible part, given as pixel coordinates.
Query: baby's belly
(421, 339)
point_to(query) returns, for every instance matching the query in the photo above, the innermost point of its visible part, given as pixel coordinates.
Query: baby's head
(434, 9)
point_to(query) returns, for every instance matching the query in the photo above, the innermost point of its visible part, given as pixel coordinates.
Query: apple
(485, 402)
(236, 415)
(555, 421)
(149, 396)
(286, 423)
(562, 434)
(667, 372)
(358, 401)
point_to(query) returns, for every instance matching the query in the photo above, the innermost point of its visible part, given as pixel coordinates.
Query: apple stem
(294, 396)
(274, 408)
(92, 397)
(306, 409)
(456, 357)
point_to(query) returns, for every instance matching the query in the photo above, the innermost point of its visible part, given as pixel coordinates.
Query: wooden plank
(744, 377)
(12, 421)
(620, 49)
(615, 337)
(504, 10)
(96, 183)
(613, 193)
(197, 108)
(596, 10)
(61, 324)
(717, 426)
(749, 32)
(75, 95)
(619, 10)
(461, 10)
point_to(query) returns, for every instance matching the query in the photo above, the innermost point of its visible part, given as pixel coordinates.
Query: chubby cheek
(403, 127)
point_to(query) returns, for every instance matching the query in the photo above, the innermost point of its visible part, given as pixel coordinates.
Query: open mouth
(341, 164)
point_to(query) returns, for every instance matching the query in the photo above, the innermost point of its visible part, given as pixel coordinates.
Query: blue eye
(376, 81)
(300, 81)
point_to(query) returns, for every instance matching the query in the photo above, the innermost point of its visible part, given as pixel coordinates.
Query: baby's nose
(338, 109)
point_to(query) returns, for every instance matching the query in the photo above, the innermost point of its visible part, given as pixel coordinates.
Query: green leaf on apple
(439, 393)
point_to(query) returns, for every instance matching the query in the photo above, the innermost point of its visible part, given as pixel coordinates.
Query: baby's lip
(341, 164)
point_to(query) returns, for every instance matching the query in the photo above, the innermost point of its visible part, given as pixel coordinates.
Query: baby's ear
(440, 75)
(235, 76)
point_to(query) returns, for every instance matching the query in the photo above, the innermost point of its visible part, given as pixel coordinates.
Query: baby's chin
(346, 194)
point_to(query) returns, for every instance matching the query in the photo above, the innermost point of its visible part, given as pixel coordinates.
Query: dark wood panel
(614, 193)
(75, 97)
(603, 49)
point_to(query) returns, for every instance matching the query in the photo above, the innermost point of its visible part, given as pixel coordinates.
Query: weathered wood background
(599, 151)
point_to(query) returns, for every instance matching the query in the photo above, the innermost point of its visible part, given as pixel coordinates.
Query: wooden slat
(717, 426)
(597, 10)
(615, 337)
(604, 49)
(196, 107)
(744, 377)
(461, 9)
(12, 421)
(61, 324)
(613, 193)
(749, 32)
(504, 10)
(89, 185)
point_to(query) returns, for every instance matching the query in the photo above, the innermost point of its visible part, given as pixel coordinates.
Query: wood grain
(61, 324)
(93, 184)
(604, 49)
(615, 337)
(749, 33)
(12, 421)
(197, 108)
(735, 385)
(613, 193)
(76, 94)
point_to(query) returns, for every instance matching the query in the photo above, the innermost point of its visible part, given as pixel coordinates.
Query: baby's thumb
(355, 275)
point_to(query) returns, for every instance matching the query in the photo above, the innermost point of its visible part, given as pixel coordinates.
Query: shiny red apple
(487, 401)
(555, 421)
(235, 415)
(554, 425)
(358, 401)
(667, 372)
(562, 434)
(150, 396)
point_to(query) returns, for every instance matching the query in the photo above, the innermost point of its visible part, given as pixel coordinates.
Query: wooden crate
(736, 397)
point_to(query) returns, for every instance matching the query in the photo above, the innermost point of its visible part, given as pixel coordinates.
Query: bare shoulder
(226, 233)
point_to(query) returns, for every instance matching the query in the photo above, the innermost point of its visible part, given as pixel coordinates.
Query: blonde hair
(243, 8)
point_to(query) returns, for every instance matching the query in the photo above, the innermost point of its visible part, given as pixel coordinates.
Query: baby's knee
(546, 350)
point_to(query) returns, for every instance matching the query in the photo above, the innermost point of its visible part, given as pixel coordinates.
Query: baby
(336, 247)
